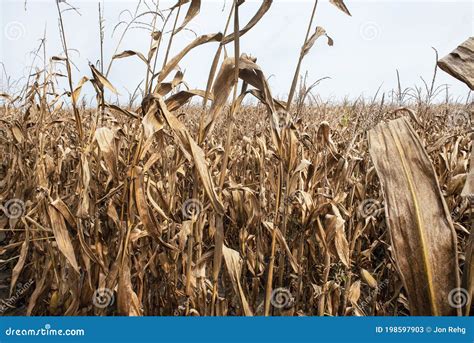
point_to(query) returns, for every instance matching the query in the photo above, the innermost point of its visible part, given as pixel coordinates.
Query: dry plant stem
(69, 76)
(121, 39)
(210, 79)
(172, 36)
(195, 223)
(300, 288)
(101, 35)
(217, 262)
(44, 100)
(126, 191)
(191, 237)
(30, 72)
(298, 66)
(188, 266)
(327, 268)
(155, 18)
(191, 242)
(271, 265)
(286, 172)
(150, 89)
(232, 113)
(347, 287)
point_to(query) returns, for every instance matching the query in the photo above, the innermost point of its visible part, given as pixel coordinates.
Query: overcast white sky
(380, 37)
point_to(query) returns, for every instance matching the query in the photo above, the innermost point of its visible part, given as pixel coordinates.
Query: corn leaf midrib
(419, 225)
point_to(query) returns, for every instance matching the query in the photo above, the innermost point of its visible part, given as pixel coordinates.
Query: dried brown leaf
(62, 237)
(422, 234)
(340, 4)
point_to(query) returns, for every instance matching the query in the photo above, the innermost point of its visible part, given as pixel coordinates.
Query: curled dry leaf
(101, 80)
(255, 19)
(77, 90)
(128, 53)
(340, 4)
(460, 63)
(193, 11)
(175, 60)
(311, 40)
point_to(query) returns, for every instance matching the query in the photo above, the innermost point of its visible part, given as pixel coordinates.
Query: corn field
(195, 202)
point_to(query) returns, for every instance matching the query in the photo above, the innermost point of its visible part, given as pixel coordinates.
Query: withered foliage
(173, 208)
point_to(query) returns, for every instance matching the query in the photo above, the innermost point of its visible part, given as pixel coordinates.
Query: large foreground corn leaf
(422, 234)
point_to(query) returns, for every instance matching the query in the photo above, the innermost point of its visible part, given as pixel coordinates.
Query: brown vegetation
(173, 208)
